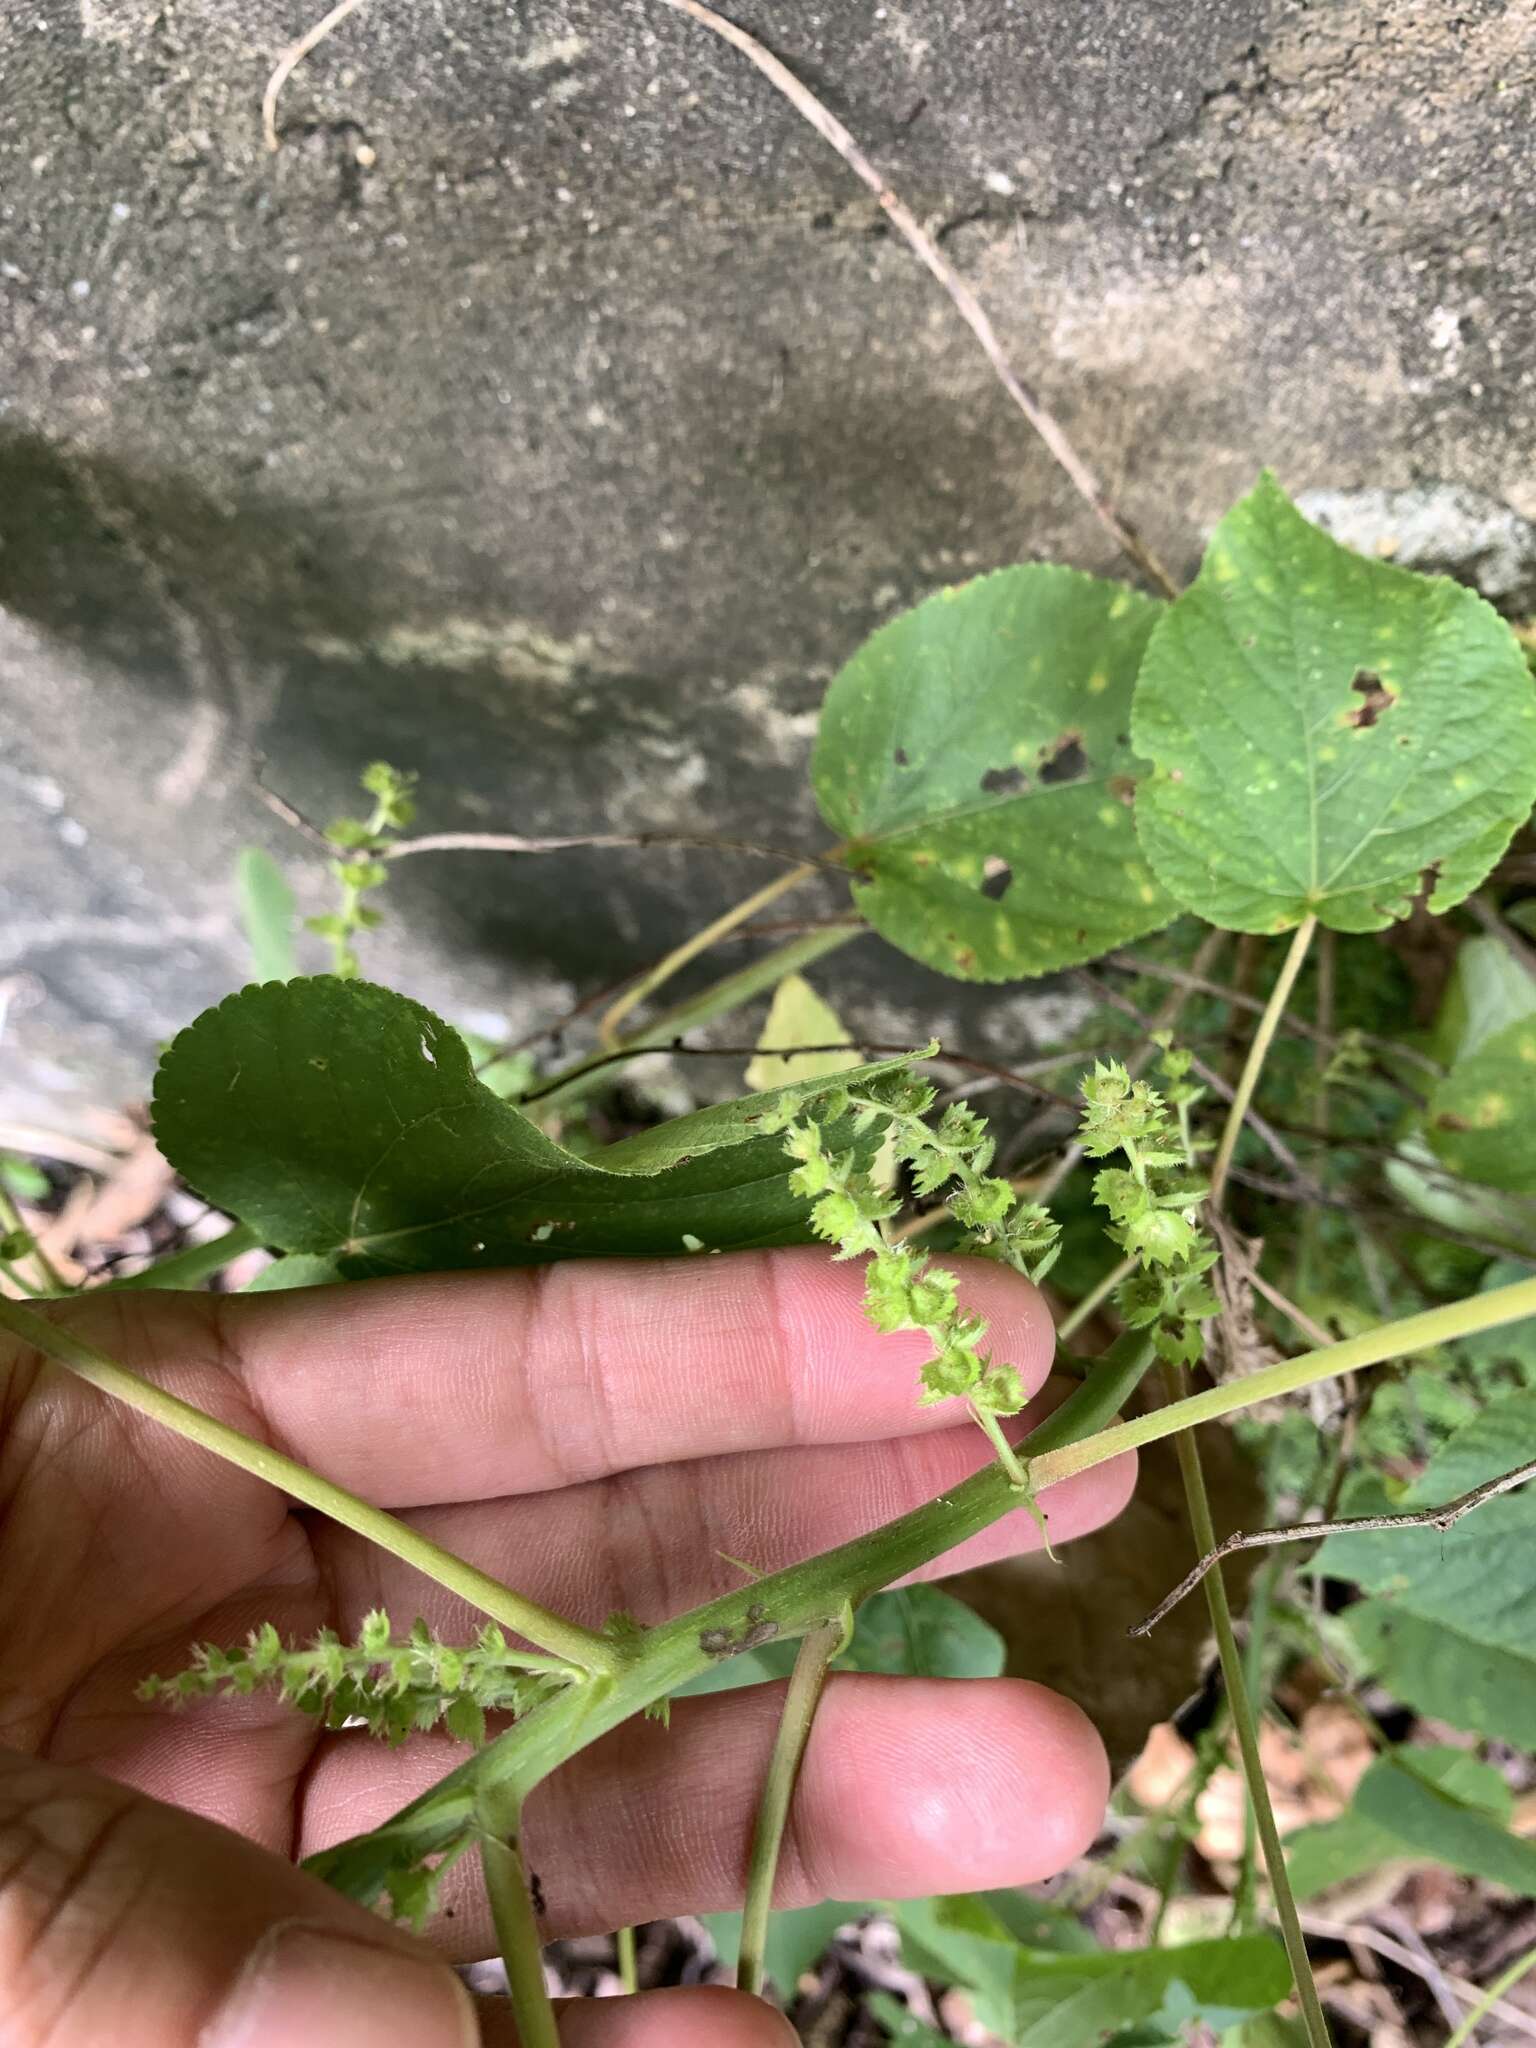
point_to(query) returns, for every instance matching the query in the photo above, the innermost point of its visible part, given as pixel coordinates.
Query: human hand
(600, 1435)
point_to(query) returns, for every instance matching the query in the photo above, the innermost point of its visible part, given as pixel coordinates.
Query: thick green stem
(1233, 1677)
(700, 942)
(800, 1702)
(1400, 1339)
(199, 1262)
(1268, 1024)
(570, 1644)
(516, 1923)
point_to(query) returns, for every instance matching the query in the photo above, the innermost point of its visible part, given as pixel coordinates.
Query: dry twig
(1441, 1518)
(964, 300)
(290, 61)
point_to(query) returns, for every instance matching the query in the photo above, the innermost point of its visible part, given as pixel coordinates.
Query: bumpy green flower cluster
(397, 1689)
(357, 870)
(1153, 1200)
(904, 1289)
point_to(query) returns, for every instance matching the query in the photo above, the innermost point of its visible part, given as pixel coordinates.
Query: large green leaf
(1465, 1601)
(921, 1632)
(346, 1122)
(1329, 735)
(1333, 1852)
(974, 753)
(1430, 1821)
(1034, 1999)
(1442, 1673)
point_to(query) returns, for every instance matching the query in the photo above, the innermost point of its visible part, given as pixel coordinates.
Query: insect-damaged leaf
(345, 1121)
(975, 753)
(1329, 734)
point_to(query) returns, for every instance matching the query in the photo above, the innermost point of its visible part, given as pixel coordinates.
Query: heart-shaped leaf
(974, 754)
(1330, 735)
(345, 1121)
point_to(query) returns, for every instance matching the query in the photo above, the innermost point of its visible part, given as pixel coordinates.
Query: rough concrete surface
(553, 413)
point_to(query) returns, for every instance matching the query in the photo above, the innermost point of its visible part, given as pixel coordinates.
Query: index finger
(470, 1386)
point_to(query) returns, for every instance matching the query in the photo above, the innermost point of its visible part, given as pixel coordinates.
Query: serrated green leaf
(1464, 1600)
(1334, 1852)
(798, 1016)
(346, 1122)
(921, 1632)
(1329, 735)
(267, 910)
(974, 753)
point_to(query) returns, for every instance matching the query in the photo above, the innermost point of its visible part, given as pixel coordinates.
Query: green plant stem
(1400, 1339)
(570, 1646)
(517, 1926)
(817, 1650)
(700, 942)
(1268, 1024)
(718, 1000)
(1505, 1981)
(1006, 1456)
(1099, 1293)
(190, 1268)
(627, 1959)
(1243, 1722)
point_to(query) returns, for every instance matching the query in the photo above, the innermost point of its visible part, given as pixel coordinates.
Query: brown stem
(1441, 1518)
(961, 296)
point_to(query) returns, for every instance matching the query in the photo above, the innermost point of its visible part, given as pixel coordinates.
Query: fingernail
(304, 1986)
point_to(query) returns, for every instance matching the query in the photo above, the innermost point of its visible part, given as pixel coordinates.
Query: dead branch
(961, 296)
(1441, 1518)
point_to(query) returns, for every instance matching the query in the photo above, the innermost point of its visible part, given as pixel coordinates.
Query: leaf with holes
(345, 1121)
(1329, 735)
(974, 754)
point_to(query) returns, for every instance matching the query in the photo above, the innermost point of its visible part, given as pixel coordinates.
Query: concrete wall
(554, 413)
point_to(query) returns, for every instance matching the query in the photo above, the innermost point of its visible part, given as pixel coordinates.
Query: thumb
(128, 1922)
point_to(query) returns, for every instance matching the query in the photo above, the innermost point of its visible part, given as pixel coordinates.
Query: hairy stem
(517, 1927)
(196, 1264)
(701, 940)
(1253, 1066)
(1236, 1683)
(817, 1650)
(572, 1647)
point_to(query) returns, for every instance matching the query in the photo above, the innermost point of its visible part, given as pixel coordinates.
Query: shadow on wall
(318, 661)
